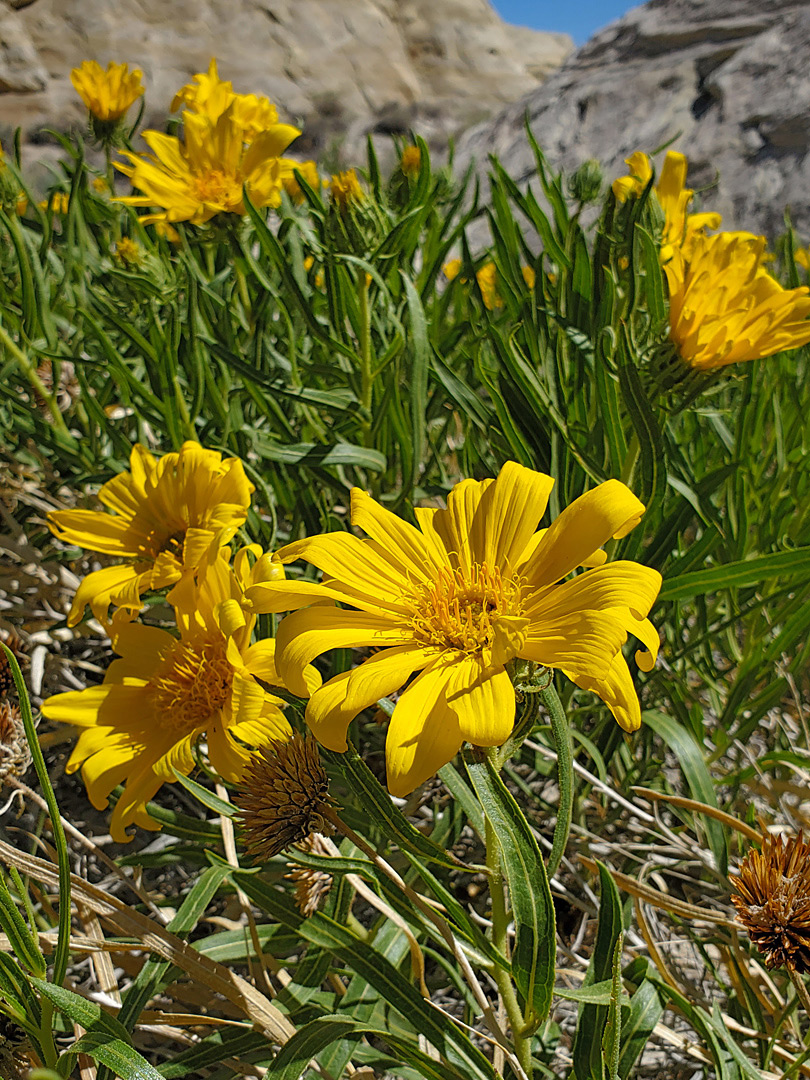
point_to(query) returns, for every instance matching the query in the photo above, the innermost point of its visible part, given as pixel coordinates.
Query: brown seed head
(311, 886)
(15, 754)
(773, 901)
(12, 642)
(284, 796)
(15, 1048)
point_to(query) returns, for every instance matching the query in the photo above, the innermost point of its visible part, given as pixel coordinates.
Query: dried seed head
(773, 901)
(311, 886)
(15, 754)
(284, 796)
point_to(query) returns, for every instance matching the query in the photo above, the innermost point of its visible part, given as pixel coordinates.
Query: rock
(337, 68)
(724, 81)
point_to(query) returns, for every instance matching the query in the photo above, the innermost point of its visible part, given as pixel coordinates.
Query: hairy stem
(565, 775)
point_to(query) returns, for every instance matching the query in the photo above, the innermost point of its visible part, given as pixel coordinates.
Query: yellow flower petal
(424, 732)
(405, 547)
(612, 585)
(483, 701)
(616, 690)
(584, 642)
(305, 634)
(609, 510)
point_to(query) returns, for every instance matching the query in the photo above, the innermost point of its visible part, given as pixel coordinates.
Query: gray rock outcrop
(727, 80)
(338, 68)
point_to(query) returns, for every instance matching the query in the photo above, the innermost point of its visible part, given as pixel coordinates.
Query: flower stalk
(561, 733)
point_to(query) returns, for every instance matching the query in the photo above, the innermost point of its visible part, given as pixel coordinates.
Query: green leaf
(117, 1055)
(738, 574)
(690, 758)
(591, 1019)
(23, 943)
(646, 1009)
(312, 1038)
(81, 1011)
(204, 796)
(533, 958)
(595, 994)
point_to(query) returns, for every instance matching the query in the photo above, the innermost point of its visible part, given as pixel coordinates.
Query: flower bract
(168, 513)
(449, 603)
(107, 94)
(724, 307)
(166, 693)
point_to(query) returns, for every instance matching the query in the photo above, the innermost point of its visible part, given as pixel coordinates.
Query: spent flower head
(772, 898)
(284, 797)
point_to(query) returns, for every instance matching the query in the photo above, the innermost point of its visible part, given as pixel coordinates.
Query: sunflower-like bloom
(204, 176)
(167, 693)
(773, 900)
(454, 601)
(411, 161)
(674, 197)
(487, 278)
(168, 514)
(107, 94)
(211, 96)
(725, 307)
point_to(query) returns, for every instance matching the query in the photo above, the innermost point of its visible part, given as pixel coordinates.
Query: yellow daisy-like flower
(452, 268)
(128, 251)
(211, 96)
(59, 203)
(167, 693)
(674, 197)
(802, 257)
(346, 189)
(454, 601)
(107, 94)
(724, 307)
(168, 514)
(204, 176)
(529, 276)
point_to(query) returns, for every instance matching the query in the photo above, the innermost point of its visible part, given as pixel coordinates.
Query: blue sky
(579, 19)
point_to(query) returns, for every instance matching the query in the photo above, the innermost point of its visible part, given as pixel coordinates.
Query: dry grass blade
(661, 900)
(701, 808)
(219, 979)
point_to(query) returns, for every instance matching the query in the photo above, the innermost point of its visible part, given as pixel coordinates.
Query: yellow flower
(724, 307)
(487, 278)
(128, 251)
(346, 189)
(802, 257)
(211, 97)
(196, 180)
(168, 514)
(529, 276)
(166, 693)
(100, 185)
(452, 269)
(107, 94)
(411, 160)
(163, 228)
(674, 197)
(455, 600)
(59, 203)
(309, 171)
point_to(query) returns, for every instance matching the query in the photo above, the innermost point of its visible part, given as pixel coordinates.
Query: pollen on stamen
(193, 684)
(458, 609)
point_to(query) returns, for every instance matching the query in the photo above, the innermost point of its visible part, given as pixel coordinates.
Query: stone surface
(727, 80)
(338, 68)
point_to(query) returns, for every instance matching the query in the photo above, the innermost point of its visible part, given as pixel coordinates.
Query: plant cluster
(459, 585)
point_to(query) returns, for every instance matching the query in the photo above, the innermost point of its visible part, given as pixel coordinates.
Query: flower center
(218, 187)
(458, 610)
(192, 685)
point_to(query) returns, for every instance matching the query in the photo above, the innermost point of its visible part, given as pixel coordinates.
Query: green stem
(30, 372)
(61, 952)
(500, 939)
(802, 993)
(565, 775)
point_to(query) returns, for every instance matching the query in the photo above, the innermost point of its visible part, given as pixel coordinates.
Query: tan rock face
(338, 68)
(726, 80)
